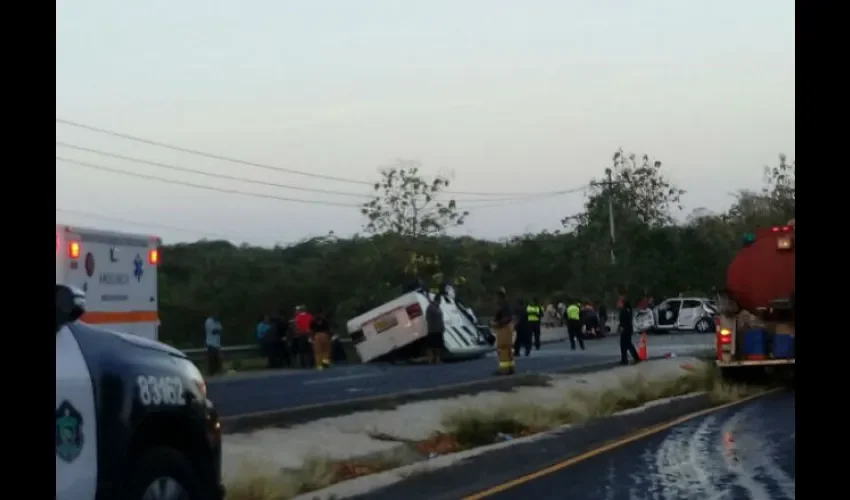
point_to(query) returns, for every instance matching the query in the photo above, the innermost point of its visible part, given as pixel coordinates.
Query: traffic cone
(642, 349)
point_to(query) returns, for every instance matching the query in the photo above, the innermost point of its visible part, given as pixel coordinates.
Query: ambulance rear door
(118, 273)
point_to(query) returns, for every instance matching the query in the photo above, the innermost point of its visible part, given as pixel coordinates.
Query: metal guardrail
(253, 350)
(233, 351)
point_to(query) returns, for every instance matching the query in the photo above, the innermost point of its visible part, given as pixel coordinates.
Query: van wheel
(704, 325)
(163, 474)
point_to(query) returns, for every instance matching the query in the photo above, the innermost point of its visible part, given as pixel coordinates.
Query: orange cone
(642, 348)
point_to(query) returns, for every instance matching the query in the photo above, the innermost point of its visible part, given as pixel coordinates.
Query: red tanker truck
(755, 325)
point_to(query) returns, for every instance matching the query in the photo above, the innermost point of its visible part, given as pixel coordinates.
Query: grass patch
(315, 474)
(478, 427)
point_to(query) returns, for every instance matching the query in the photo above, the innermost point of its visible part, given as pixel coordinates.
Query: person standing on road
(574, 325)
(436, 330)
(301, 340)
(627, 329)
(503, 325)
(265, 336)
(549, 315)
(562, 314)
(279, 332)
(602, 311)
(212, 327)
(590, 320)
(534, 311)
(523, 330)
(321, 330)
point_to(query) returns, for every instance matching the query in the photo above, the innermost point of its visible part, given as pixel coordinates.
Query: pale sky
(503, 95)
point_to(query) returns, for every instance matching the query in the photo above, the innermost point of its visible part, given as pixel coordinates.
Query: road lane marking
(339, 379)
(650, 431)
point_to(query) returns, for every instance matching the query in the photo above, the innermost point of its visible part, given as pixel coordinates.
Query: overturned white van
(397, 329)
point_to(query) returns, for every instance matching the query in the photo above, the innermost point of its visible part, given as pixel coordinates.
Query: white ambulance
(117, 272)
(398, 328)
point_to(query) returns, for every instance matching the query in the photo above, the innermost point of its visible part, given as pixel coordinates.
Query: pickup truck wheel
(704, 325)
(163, 474)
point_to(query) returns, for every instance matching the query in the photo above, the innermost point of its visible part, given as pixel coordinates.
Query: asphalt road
(742, 452)
(274, 390)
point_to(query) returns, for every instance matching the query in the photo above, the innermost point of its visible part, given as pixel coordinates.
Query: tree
(407, 204)
(780, 184)
(642, 199)
(639, 189)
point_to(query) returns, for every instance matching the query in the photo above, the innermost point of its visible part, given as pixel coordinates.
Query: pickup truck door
(689, 313)
(667, 314)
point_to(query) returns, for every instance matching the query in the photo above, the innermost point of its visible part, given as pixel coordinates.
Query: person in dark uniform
(602, 312)
(503, 326)
(534, 314)
(627, 329)
(523, 330)
(436, 330)
(280, 330)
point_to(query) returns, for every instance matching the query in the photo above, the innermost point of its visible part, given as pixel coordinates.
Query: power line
(534, 199)
(200, 186)
(234, 178)
(213, 156)
(135, 223)
(207, 155)
(283, 198)
(207, 174)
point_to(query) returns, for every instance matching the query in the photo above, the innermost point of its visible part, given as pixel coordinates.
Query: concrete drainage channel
(301, 414)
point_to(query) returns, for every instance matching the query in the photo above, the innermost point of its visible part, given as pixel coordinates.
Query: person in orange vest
(503, 323)
(321, 330)
(301, 340)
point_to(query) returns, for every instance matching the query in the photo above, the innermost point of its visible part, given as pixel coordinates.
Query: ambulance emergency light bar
(75, 250)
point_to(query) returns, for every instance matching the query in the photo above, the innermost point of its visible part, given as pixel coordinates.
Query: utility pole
(610, 184)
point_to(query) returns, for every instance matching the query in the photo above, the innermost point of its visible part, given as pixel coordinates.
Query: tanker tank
(763, 271)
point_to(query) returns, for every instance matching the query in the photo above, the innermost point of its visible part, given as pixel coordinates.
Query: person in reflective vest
(574, 325)
(534, 311)
(503, 326)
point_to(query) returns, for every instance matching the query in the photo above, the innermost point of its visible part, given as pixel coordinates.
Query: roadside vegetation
(478, 427)
(471, 428)
(405, 237)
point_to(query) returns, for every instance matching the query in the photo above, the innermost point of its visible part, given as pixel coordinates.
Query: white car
(685, 313)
